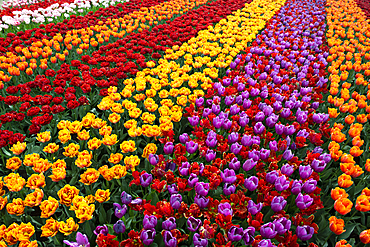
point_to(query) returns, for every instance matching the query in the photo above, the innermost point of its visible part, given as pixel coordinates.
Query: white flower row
(18, 3)
(54, 11)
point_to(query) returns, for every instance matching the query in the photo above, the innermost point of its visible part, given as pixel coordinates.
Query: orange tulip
(347, 168)
(338, 136)
(356, 151)
(358, 171)
(344, 181)
(336, 225)
(362, 203)
(367, 165)
(365, 236)
(343, 206)
(338, 193)
(333, 112)
(356, 141)
(349, 119)
(342, 243)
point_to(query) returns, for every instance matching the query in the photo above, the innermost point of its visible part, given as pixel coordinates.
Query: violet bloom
(119, 211)
(184, 169)
(287, 170)
(249, 164)
(282, 225)
(81, 240)
(184, 138)
(318, 165)
(226, 124)
(217, 122)
(278, 203)
(229, 189)
(305, 232)
(201, 201)
(149, 222)
(147, 236)
(168, 148)
(202, 188)
(265, 243)
(206, 112)
(126, 198)
(175, 201)
(279, 128)
(210, 155)
(193, 224)
(234, 164)
(119, 227)
(272, 176)
(153, 159)
(268, 230)
(191, 147)
(272, 120)
(228, 176)
(264, 154)
(289, 130)
(288, 155)
(254, 208)
(235, 234)
(246, 140)
(296, 187)
(248, 235)
(169, 224)
(251, 183)
(235, 148)
(199, 102)
(194, 121)
(193, 180)
(172, 189)
(234, 109)
(260, 116)
(273, 146)
(247, 103)
(243, 121)
(146, 179)
(303, 201)
(101, 230)
(198, 241)
(309, 186)
(233, 137)
(254, 154)
(305, 171)
(169, 240)
(225, 209)
(281, 183)
(216, 109)
(259, 128)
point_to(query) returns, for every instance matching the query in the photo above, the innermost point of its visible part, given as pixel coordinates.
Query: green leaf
(349, 230)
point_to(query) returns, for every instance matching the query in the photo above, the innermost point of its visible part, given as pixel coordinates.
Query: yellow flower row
(83, 38)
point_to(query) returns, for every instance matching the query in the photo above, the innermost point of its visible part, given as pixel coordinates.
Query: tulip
(210, 155)
(81, 240)
(246, 140)
(279, 128)
(168, 148)
(147, 236)
(198, 241)
(235, 234)
(191, 147)
(278, 203)
(336, 225)
(175, 201)
(296, 187)
(305, 232)
(226, 124)
(234, 109)
(254, 208)
(211, 142)
(172, 189)
(305, 171)
(264, 154)
(201, 201)
(217, 122)
(259, 128)
(225, 209)
(119, 211)
(309, 186)
(272, 120)
(229, 189)
(149, 222)
(288, 155)
(193, 224)
(247, 103)
(248, 235)
(259, 117)
(303, 202)
(216, 109)
(169, 239)
(119, 227)
(318, 165)
(206, 113)
(153, 159)
(287, 169)
(193, 180)
(146, 179)
(235, 148)
(343, 206)
(251, 183)
(273, 146)
(265, 243)
(233, 137)
(228, 176)
(126, 198)
(184, 138)
(249, 164)
(365, 236)
(282, 225)
(281, 183)
(184, 169)
(234, 164)
(169, 224)
(202, 188)
(254, 154)
(272, 176)
(268, 230)
(199, 101)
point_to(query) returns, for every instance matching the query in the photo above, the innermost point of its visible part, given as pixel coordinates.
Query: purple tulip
(288, 155)
(147, 236)
(243, 121)
(169, 240)
(153, 159)
(235, 148)
(216, 109)
(226, 82)
(149, 222)
(309, 186)
(194, 121)
(251, 183)
(206, 113)
(262, 76)
(193, 179)
(172, 189)
(254, 154)
(191, 147)
(233, 137)
(273, 146)
(303, 201)
(318, 165)
(287, 170)
(247, 103)
(119, 211)
(226, 124)
(126, 198)
(278, 203)
(249, 164)
(81, 240)
(279, 128)
(228, 176)
(168, 148)
(264, 154)
(211, 142)
(277, 106)
(210, 155)
(146, 179)
(268, 230)
(296, 187)
(305, 171)
(272, 176)
(302, 118)
(234, 109)
(248, 235)
(217, 122)
(246, 140)
(254, 208)
(234, 164)
(305, 232)
(184, 138)
(101, 230)
(259, 128)
(265, 243)
(272, 120)
(175, 201)
(229, 189)
(282, 225)
(281, 183)
(193, 224)
(184, 169)
(235, 234)
(199, 102)
(290, 130)
(260, 116)
(119, 227)
(225, 209)
(202, 188)
(198, 241)
(229, 100)
(169, 224)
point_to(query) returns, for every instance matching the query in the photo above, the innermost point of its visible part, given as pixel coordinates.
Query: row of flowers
(25, 19)
(87, 145)
(349, 110)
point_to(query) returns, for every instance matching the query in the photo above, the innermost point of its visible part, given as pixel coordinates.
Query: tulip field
(196, 123)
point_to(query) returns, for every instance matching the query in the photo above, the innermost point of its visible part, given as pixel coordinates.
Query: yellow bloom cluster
(15, 233)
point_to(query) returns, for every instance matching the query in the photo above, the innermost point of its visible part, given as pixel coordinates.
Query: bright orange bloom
(343, 206)
(43, 136)
(67, 193)
(336, 225)
(349, 119)
(13, 163)
(90, 176)
(342, 243)
(68, 227)
(347, 158)
(25, 231)
(344, 181)
(34, 199)
(14, 182)
(48, 207)
(3, 202)
(365, 236)
(36, 181)
(50, 229)
(358, 171)
(361, 118)
(59, 173)
(338, 136)
(362, 203)
(367, 165)
(355, 151)
(115, 158)
(338, 193)
(18, 148)
(347, 168)
(102, 195)
(333, 113)
(356, 141)
(355, 130)
(15, 207)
